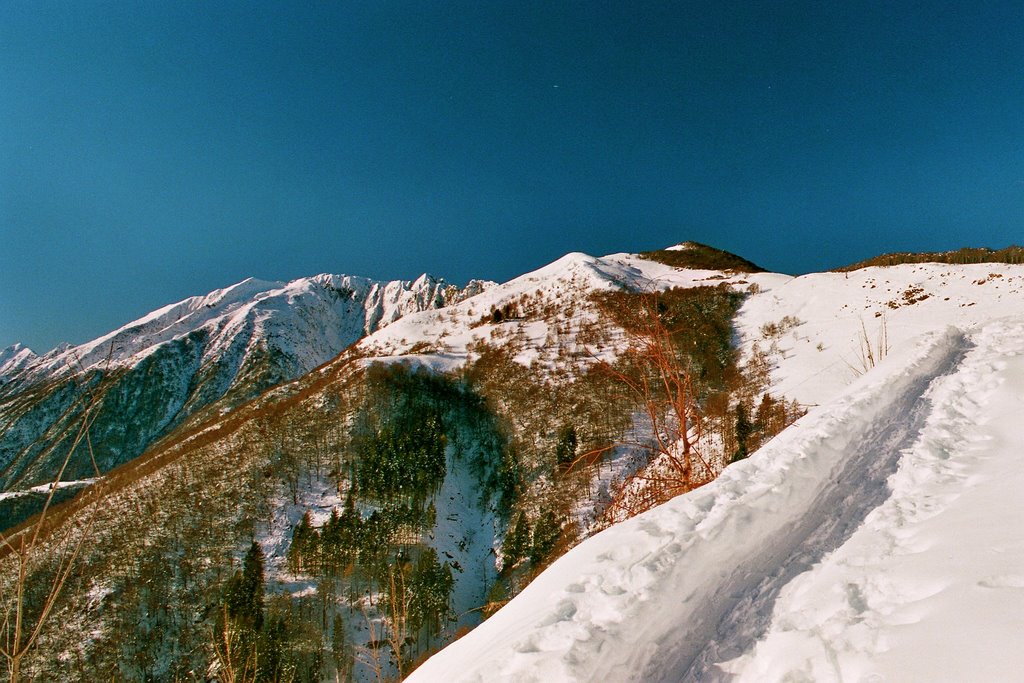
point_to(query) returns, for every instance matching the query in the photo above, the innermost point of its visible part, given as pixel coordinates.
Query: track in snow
(739, 610)
(666, 596)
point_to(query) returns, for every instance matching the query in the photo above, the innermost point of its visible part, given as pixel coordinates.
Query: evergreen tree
(331, 548)
(517, 543)
(430, 585)
(273, 650)
(244, 594)
(565, 451)
(341, 649)
(545, 535)
(744, 429)
(305, 545)
(763, 419)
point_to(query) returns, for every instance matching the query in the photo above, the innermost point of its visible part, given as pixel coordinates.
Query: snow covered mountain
(432, 471)
(13, 359)
(879, 538)
(155, 372)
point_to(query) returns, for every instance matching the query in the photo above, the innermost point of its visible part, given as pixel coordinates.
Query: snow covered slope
(309, 319)
(230, 344)
(880, 538)
(13, 359)
(840, 311)
(542, 301)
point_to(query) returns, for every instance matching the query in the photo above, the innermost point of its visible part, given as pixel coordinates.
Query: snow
(931, 586)
(880, 538)
(463, 536)
(566, 283)
(835, 309)
(310, 320)
(13, 359)
(46, 488)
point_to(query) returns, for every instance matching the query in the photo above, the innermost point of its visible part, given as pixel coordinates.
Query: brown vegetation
(967, 255)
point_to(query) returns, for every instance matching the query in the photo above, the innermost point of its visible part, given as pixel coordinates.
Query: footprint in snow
(1003, 581)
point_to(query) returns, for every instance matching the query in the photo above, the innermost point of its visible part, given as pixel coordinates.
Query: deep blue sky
(154, 150)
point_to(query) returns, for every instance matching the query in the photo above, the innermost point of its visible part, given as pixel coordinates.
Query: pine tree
(305, 545)
(517, 543)
(331, 550)
(565, 451)
(430, 586)
(245, 590)
(744, 428)
(763, 419)
(341, 649)
(273, 650)
(545, 535)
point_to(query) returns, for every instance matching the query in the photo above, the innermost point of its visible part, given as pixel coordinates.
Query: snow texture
(235, 342)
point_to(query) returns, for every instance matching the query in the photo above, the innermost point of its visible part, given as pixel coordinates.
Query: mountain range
(662, 466)
(158, 371)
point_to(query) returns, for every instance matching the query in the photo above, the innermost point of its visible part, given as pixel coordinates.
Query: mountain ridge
(225, 346)
(518, 385)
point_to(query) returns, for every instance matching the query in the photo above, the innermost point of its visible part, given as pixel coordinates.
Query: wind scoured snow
(879, 538)
(838, 312)
(44, 489)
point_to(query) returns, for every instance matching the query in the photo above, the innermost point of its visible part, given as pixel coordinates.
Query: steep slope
(155, 372)
(314, 445)
(13, 359)
(533, 305)
(882, 523)
(694, 588)
(822, 330)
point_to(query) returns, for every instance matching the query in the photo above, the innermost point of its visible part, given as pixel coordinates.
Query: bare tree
(236, 663)
(23, 618)
(659, 380)
(398, 600)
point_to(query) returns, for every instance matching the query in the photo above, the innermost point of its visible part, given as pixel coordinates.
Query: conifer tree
(341, 649)
(244, 595)
(305, 544)
(430, 586)
(763, 418)
(744, 428)
(517, 543)
(565, 451)
(545, 535)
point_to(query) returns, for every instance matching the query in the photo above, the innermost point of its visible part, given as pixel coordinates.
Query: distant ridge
(701, 257)
(1010, 254)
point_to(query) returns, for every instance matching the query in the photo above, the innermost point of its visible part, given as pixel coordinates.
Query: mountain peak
(697, 256)
(14, 358)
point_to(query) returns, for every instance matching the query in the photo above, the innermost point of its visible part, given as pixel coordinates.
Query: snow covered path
(931, 587)
(739, 610)
(880, 538)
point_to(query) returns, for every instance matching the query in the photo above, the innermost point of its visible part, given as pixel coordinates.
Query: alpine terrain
(665, 466)
(158, 371)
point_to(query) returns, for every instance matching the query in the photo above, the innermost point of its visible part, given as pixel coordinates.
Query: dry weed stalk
(225, 652)
(369, 655)
(20, 629)
(870, 354)
(661, 384)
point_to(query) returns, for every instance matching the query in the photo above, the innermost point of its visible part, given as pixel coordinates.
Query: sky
(151, 151)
